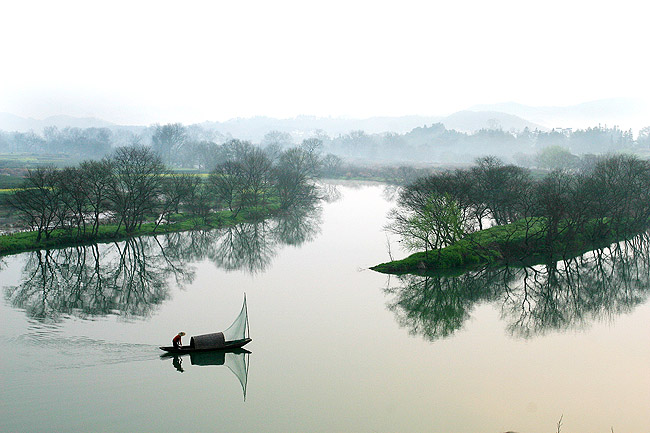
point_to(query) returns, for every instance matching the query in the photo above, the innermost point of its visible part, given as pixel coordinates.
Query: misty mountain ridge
(624, 112)
(255, 128)
(472, 121)
(508, 116)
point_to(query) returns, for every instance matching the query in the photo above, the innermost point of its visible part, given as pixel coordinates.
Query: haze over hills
(472, 121)
(11, 122)
(464, 121)
(624, 112)
(252, 128)
(255, 128)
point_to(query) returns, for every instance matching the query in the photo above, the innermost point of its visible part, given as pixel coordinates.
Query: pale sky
(139, 62)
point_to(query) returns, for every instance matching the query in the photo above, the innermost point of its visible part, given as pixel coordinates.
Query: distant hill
(470, 121)
(10, 122)
(624, 112)
(255, 128)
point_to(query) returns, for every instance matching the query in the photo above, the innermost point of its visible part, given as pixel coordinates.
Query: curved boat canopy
(208, 341)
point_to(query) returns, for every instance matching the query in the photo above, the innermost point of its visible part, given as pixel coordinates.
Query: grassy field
(10, 181)
(26, 160)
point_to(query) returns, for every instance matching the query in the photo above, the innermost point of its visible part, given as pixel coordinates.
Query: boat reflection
(533, 300)
(237, 361)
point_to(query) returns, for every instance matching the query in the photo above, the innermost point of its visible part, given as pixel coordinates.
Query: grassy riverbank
(523, 241)
(26, 241)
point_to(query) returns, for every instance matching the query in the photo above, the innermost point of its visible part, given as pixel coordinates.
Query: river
(336, 347)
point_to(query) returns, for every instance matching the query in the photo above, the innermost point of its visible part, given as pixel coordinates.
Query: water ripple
(49, 349)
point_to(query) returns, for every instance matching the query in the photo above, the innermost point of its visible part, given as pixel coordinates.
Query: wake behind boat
(236, 336)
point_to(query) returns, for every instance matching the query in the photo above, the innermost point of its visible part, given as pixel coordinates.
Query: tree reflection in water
(297, 227)
(246, 246)
(132, 278)
(250, 247)
(127, 278)
(568, 294)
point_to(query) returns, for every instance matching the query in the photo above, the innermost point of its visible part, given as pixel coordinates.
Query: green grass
(26, 241)
(10, 182)
(27, 160)
(192, 171)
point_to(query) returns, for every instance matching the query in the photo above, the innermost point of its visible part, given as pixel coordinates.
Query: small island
(532, 217)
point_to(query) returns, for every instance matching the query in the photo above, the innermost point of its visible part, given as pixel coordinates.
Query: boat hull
(235, 344)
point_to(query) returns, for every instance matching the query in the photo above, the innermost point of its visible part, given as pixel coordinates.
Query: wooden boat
(220, 344)
(236, 336)
(206, 357)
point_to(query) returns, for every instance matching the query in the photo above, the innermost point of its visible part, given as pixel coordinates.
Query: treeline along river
(132, 192)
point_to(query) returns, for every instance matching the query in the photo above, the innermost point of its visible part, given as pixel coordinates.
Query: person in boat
(176, 341)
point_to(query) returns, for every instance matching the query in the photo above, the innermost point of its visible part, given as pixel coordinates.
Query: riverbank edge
(521, 242)
(16, 243)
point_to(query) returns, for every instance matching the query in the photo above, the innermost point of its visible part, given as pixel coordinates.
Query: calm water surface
(336, 347)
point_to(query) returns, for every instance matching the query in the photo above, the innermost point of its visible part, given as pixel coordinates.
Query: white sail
(239, 328)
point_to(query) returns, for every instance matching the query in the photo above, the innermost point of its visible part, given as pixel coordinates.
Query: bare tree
(256, 168)
(277, 139)
(294, 175)
(74, 199)
(200, 198)
(168, 139)
(496, 189)
(98, 176)
(331, 165)
(137, 179)
(554, 194)
(38, 202)
(227, 182)
(175, 188)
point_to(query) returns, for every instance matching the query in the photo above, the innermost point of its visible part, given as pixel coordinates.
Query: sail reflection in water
(237, 361)
(568, 294)
(132, 278)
